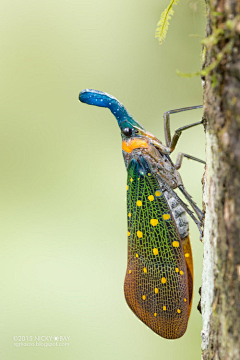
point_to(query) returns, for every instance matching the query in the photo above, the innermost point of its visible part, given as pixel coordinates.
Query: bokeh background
(63, 211)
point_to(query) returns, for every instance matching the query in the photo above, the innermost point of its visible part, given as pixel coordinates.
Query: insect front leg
(167, 130)
(178, 133)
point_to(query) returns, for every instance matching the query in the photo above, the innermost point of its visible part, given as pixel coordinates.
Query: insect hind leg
(198, 212)
(188, 211)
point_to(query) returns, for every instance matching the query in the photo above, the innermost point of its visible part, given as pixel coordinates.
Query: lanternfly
(158, 283)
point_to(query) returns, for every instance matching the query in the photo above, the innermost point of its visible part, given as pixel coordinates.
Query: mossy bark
(221, 268)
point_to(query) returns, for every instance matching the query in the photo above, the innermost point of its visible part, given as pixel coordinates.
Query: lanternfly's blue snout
(102, 99)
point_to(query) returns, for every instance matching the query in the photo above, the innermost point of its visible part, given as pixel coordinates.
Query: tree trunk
(221, 267)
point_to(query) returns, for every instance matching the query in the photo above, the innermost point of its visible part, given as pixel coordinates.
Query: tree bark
(221, 267)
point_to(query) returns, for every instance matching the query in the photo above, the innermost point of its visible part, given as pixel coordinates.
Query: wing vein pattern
(156, 285)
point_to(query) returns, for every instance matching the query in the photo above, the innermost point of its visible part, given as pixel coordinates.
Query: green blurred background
(63, 210)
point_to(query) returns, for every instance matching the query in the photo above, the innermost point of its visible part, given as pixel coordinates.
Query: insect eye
(127, 131)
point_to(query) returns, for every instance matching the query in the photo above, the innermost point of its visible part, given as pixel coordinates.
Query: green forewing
(156, 280)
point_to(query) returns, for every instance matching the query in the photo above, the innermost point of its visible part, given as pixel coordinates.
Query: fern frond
(162, 26)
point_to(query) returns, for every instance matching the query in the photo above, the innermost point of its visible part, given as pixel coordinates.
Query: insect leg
(181, 187)
(166, 117)
(190, 213)
(191, 202)
(180, 159)
(178, 133)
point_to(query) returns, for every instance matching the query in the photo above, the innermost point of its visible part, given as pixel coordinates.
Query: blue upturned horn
(102, 99)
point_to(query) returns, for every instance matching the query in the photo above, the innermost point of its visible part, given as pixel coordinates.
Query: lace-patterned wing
(156, 284)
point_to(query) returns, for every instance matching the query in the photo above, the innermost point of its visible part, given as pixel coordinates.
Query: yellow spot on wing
(179, 311)
(175, 244)
(158, 193)
(145, 270)
(136, 255)
(155, 251)
(144, 297)
(128, 233)
(166, 216)
(156, 290)
(154, 222)
(149, 174)
(164, 308)
(139, 234)
(151, 197)
(127, 187)
(187, 255)
(177, 269)
(130, 271)
(155, 314)
(129, 215)
(131, 179)
(181, 272)
(163, 280)
(185, 300)
(139, 203)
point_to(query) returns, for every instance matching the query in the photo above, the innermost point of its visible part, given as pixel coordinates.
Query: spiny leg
(180, 156)
(172, 144)
(181, 187)
(190, 213)
(166, 117)
(191, 202)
